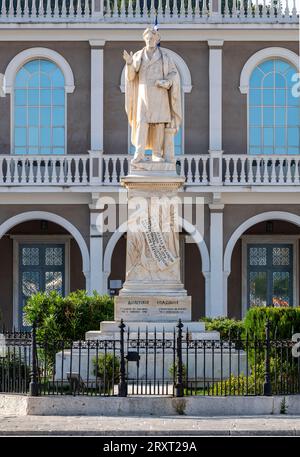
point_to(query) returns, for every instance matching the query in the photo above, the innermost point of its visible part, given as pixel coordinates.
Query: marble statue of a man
(152, 99)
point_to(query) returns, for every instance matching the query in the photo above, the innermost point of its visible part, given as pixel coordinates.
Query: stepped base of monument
(110, 330)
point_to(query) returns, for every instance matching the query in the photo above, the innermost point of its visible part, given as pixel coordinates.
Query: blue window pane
(58, 151)
(34, 80)
(20, 97)
(46, 117)
(254, 150)
(33, 116)
(255, 136)
(45, 97)
(58, 97)
(256, 77)
(281, 66)
(59, 117)
(21, 78)
(20, 117)
(47, 66)
(20, 150)
(280, 136)
(293, 136)
(268, 81)
(268, 97)
(255, 97)
(46, 151)
(33, 136)
(289, 75)
(280, 116)
(267, 150)
(267, 66)
(45, 136)
(178, 142)
(268, 116)
(58, 79)
(280, 150)
(291, 99)
(33, 150)
(293, 116)
(32, 66)
(255, 116)
(280, 81)
(294, 151)
(58, 137)
(33, 97)
(20, 136)
(45, 81)
(39, 109)
(280, 97)
(268, 137)
(281, 110)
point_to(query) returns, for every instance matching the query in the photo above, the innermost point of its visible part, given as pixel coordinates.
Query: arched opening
(264, 266)
(38, 254)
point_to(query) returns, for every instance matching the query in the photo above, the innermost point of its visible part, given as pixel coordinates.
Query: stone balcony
(96, 169)
(145, 11)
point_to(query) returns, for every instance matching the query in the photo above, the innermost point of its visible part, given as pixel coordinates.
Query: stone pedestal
(153, 257)
(153, 295)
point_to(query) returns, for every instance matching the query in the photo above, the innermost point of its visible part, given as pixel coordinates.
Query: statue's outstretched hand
(127, 57)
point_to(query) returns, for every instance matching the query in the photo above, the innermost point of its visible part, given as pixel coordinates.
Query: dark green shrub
(283, 375)
(67, 318)
(284, 322)
(173, 371)
(107, 371)
(14, 374)
(228, 328)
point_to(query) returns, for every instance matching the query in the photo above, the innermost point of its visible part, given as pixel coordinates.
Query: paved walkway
(150, 426)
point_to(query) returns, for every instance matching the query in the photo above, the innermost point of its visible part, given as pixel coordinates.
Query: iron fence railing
(148, 363)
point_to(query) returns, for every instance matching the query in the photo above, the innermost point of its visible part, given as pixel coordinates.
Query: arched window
(273, 109)
(39, 109)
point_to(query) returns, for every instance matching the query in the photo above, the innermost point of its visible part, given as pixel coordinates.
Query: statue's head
(151, 37)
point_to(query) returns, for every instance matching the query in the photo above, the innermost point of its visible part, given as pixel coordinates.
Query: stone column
(215, 111)
(97, 94)
(96, 252)
(216, 261)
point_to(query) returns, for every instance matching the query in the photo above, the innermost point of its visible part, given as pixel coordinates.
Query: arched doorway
(262, 262)
(38, 254)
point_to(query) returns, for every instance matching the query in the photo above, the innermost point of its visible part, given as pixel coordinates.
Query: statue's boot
(157, 157)
(138, 157)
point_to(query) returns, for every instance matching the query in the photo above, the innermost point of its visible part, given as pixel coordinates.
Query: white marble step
(113, 326)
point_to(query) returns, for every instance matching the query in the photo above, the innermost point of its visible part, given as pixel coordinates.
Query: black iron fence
(148, 363)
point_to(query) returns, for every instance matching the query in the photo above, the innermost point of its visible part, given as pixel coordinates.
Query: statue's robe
(144, 101)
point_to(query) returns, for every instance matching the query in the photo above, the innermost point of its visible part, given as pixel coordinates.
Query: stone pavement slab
(150, 426)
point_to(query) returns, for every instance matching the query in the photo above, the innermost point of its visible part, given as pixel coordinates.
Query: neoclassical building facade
(65, 144)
